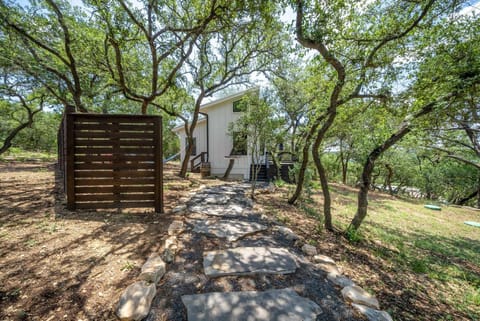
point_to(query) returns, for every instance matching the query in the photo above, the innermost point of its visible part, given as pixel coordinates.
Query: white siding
(219, 117)
(221, 143)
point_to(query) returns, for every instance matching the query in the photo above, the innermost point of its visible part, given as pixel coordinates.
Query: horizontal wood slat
(112, 135)
(105, 150)
(116, 158)
(112, 166)
(95, 205)
(113, 173)
(107, 128)
(115, 118)
(113, 181)
(116, 189)
(114, 197)
(89, 142)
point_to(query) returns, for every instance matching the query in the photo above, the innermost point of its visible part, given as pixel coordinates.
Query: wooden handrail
(202, 160)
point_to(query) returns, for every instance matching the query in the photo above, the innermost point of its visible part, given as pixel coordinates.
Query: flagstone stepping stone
(249, 261)
(358, 295)
(271, 305)
(135, 302)
(231, 230)
(218, 210)
(372, 314)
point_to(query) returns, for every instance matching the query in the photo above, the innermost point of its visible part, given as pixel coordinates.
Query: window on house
(238, 106)
(194, 149)
(239, 144)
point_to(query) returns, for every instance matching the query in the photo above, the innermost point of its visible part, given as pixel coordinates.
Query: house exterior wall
(220, 116)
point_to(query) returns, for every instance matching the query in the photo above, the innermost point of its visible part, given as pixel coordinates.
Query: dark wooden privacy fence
(111, 161)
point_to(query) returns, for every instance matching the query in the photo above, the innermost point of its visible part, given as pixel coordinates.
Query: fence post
(158, 166)
(69, 149)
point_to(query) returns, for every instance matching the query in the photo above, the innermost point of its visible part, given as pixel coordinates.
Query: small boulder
(153, 270)
(329, 268)
(171, 243)
(169, 255)
(322, 259)
(340, 280)
(287, 233)
(176, 227)
(309, 250)
(372, 314)
(358, 295)
(136, 300)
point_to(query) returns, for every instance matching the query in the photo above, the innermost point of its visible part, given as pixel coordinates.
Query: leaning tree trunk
(229, 168)
(404, 129)
(7, 143)
(463, 201)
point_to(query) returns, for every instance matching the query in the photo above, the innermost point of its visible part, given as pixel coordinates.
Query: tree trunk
(144, 107)
(327, 213)
(189, 132)
(186, 159)
(464, 200)
(388, 179)
(404, 129)
(7, 143)
(478, 193)
(229, 168)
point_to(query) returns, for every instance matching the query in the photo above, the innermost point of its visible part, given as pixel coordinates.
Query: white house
(212, 140)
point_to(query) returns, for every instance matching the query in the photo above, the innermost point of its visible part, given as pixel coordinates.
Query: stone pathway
(229, 262)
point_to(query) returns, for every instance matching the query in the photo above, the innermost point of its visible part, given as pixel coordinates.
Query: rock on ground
(340, 280)
(358, 295)
(309, 250)
(153, 270)
(372, 314)
(323, 259)
(135, 302)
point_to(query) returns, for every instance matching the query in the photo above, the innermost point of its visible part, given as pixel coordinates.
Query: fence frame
(68, 144)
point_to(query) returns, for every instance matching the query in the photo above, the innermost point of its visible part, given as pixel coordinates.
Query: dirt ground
(59, 265)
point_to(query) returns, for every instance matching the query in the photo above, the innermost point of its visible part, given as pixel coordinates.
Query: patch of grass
(20, 155)
(283, 218)
(127, 266)
(31, 242)
(353, 235)
(419, 266)
(279, 183)
(310, 211)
